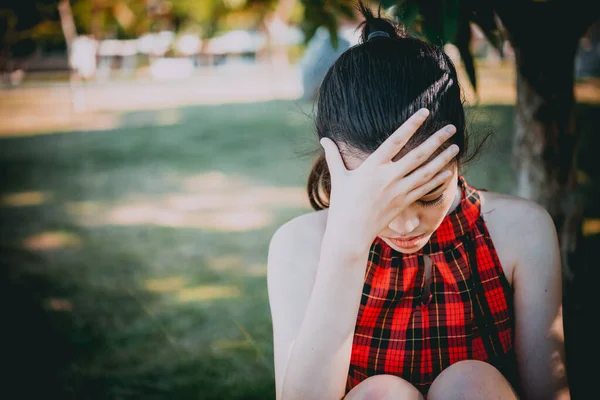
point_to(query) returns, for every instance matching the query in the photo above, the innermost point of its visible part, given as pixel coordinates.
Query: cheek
(433, 216)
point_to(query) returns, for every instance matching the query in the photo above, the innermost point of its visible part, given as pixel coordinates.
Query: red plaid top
(467, 315)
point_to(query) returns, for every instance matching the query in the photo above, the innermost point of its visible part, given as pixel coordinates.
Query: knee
(384, 387)
(471, 379)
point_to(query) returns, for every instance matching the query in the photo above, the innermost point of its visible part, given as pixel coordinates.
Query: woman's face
(411, 229)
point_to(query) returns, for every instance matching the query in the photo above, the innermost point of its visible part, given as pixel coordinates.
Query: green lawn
(136, 257)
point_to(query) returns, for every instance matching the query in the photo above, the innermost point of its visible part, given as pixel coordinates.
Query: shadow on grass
(109, 307)
(93, 321)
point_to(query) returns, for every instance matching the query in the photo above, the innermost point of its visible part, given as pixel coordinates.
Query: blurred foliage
(25, 24)
(213, 15)
(438, 21)
(123, 19)
(24, 21)
(326, 13)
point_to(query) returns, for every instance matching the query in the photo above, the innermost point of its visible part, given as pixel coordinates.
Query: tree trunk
(67, 22)
(546, 136)
(545, 144)
(68, 26)
(278, 53)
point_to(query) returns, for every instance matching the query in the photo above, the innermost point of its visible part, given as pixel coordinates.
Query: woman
(406, 282)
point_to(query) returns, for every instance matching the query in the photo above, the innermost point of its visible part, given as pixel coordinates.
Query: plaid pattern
(467, 315)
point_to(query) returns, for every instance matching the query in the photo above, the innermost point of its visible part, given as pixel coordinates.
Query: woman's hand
(365, 200)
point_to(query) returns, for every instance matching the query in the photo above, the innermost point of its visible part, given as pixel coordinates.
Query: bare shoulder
(519, 228)
(301, 233)
(495, 204)
(295, 246)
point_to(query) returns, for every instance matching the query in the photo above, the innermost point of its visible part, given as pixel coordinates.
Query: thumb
(332, 156)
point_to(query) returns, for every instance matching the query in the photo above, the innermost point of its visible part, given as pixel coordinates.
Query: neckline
(455, 225)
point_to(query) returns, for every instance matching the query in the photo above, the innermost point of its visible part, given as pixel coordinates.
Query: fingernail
(450, 129)
(423, 112)
(454, 148)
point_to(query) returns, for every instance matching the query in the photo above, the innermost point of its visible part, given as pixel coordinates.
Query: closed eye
(432, 203)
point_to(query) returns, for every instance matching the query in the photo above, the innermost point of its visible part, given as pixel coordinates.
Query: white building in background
(320, 55)
(188, 44)
(83, 56)
(236, 42)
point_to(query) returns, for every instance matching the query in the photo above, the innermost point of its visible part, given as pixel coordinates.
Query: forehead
(354, 158)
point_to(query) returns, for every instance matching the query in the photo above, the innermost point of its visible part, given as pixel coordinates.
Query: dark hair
(374, 87)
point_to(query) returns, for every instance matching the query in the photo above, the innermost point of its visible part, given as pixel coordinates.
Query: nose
(405, 223)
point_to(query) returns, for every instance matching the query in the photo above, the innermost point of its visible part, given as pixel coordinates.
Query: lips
(407, 243)
(407, 239)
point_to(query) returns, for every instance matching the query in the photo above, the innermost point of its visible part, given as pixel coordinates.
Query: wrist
(345, 242)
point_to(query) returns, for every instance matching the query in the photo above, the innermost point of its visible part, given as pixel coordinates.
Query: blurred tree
(21, 23)
(67, 22)
(122, 19)
(212, 16)
(27, 24)
(545, 37)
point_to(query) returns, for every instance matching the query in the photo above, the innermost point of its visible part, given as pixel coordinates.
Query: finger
(422, 190)
(396, 141)
(428, 171)
(335, 163)
(416, 157)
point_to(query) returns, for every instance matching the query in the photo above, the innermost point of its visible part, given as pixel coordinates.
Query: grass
(135, 258)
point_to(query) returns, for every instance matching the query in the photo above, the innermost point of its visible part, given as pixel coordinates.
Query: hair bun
(378, 25)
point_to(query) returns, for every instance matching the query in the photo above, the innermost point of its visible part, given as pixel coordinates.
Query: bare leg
(471, 380)
(384, 387)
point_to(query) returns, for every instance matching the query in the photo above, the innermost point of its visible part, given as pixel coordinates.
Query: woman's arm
(537, 283)
(314, 313)
(312, 360)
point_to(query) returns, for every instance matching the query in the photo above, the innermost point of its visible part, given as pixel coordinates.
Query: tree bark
(278, 53)
(546, 136)
(68, 26)
(67, 22)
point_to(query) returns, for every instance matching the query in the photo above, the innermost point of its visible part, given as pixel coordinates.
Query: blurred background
(149, 149)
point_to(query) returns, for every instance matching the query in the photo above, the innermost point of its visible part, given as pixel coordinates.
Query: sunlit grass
(168, 284)
(208, 292)
(154, 247)
(257, 270)
(51, 241)
(150, 255)
(225, 263)
(25, 199)
(56, 304)
(211, 202)
(591, 226)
